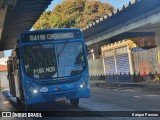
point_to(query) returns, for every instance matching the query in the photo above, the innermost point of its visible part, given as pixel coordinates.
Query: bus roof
(49, 30)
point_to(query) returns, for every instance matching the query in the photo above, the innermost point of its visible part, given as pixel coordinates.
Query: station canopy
(20, 18)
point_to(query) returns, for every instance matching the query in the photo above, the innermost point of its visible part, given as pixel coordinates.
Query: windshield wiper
(62, 49)
(36, 62)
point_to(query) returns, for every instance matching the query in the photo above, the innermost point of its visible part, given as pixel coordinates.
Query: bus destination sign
(43, 36)
(53, 36)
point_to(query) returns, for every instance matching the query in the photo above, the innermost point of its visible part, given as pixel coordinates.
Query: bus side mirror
(17, 53)
(87, 49)
(90, 51)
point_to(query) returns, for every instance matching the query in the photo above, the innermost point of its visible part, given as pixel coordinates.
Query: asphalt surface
(122, 99)
(102, 99)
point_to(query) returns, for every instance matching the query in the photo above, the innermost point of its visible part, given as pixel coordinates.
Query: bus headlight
(81, 86)
(35, 91)
(84, 83)
(31, 89)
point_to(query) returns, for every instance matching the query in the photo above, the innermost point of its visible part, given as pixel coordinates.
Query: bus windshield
(54, 60)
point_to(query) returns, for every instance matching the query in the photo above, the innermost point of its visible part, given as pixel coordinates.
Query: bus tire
(74, 102)
(26, 107)
(18, 100)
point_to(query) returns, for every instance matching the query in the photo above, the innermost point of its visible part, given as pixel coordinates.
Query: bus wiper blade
(36, 62)
(61, 51)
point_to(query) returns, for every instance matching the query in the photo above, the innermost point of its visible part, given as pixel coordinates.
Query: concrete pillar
(157, 38)
(96, 54)
(2, 18)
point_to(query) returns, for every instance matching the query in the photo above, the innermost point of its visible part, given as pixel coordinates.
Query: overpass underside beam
(10, 3)
(128, 27)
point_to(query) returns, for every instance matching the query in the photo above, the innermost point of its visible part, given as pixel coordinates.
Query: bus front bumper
(33, 98)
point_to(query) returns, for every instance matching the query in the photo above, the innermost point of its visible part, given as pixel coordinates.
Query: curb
(142, 86)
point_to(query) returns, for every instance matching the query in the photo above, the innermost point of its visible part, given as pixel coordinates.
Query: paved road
(108, 99)
(122, 99)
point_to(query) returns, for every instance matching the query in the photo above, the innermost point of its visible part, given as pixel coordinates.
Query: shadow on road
(50, 106)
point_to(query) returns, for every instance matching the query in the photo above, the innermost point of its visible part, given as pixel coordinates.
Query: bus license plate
(60, 98)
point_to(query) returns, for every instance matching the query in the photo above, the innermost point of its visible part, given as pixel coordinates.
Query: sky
(115, 3)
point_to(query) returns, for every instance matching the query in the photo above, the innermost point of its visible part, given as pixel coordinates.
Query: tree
(44, 21)
(73, 13)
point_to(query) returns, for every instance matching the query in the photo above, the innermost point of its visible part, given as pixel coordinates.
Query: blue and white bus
(49, 65)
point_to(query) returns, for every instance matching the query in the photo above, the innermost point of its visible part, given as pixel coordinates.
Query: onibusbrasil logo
(16, 114)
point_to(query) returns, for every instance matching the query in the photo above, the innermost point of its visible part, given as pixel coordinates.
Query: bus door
(11, 77)
(16, 76)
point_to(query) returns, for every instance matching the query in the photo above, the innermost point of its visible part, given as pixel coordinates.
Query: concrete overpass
(137, 18)
(17, 16)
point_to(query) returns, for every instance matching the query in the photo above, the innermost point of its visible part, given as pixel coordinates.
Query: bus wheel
(18, 100)
(26, 107)
(74, 102)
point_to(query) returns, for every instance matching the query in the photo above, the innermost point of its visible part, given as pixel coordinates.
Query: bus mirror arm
(87, 49)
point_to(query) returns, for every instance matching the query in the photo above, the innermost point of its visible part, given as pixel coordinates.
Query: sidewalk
(154, 86)
(5, 105)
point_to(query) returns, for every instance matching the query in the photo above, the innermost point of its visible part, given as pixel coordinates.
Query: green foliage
(1, 88)
(73, 13)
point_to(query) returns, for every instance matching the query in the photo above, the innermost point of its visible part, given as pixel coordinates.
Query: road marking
(137, 96)
(152, 95)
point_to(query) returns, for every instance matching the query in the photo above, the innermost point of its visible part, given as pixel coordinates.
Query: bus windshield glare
(54, 60)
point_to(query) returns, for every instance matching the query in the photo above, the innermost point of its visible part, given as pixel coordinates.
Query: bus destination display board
(50, 35)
